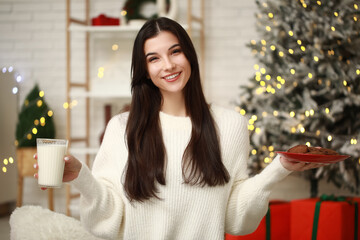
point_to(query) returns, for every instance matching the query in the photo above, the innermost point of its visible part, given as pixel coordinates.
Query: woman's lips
(172, 77)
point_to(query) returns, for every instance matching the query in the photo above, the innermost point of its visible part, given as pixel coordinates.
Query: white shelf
(120, 28)
(94, 94)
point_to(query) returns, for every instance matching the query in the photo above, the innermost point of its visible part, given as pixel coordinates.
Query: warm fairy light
(29, 136)
(356, 6)
(303, 48)
(264, 114)
(265, 5)
(259, 91)
(275, 113)
(291, 33)
(253, 42)
(312, 112)
(257, 130)
(4, 169)
(11, 160)
(358, 71)
(355, 18)
(34, 131)
(36, 122)
(318, 132)
(50, 113)
(316, 59)
(279, 86)
(123, 13)
(268, 28)
(253, 152)
(318, 3)
(353, 141)
(281, 53)
(268, 77)
(254, 117)
(256, 66)
(242, 112)
(66, 105)
(293, 130)
(258, 78)
(310, 75)
(292, 114)
(39, 103)
(262, 83)
(291, 51)
(270, 15)
(115, 47)
(42, 121)
(333, 28)
(292, 71)
(251, 127)
(327, 110)
(336, 14)
(308, 144)
(263, 70)
(272, 154)
(329, 138)
(272, 47)
(263, 42)
(302, 129)
(271, 148)
(6, 162)
(299, 42)
(266, 160)
(41, 93)
(307, 113)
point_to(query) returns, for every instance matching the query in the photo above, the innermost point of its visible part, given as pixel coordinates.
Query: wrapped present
(274, 226)
(324, 218)
(103, 20)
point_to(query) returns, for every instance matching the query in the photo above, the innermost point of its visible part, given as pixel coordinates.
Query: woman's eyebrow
(153, 53)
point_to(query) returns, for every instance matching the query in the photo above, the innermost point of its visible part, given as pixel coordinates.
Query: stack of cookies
(311, 150)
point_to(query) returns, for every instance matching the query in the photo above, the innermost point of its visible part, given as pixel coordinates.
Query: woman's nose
(168, 64)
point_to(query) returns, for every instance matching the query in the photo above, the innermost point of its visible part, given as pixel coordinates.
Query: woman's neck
(174, 104)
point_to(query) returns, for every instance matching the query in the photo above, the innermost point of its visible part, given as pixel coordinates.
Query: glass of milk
(50, 157)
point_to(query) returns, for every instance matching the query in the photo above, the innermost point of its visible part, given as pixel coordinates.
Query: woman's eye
(176, 51)
(152, 59)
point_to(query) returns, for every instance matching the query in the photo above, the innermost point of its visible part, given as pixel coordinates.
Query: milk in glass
(51, 163)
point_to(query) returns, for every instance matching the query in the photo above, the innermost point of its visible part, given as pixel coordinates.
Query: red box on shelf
(103, 20)
(336, 220)
(279, 224)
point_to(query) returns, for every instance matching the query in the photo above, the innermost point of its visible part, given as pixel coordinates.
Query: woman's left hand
(298, 166)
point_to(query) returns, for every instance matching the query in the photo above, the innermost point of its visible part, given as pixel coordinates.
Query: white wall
(32, 40)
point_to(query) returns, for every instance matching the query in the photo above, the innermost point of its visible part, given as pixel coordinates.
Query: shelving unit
(82, 90)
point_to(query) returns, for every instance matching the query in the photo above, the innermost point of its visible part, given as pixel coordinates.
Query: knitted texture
(184, 211)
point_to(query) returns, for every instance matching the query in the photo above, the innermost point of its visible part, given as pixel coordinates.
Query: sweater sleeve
(249, 197)
(101, 205)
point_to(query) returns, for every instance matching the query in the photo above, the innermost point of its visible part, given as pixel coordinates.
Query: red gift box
(279, 224)
(335, 220)
(103, 20)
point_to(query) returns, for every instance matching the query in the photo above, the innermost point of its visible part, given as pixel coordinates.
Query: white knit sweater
(185, 212)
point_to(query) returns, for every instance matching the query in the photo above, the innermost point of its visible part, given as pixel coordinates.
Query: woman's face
(167, 66)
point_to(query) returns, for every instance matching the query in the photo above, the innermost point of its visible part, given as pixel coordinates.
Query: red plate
(302, 157)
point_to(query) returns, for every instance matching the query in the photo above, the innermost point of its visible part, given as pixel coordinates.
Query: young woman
(173, 167)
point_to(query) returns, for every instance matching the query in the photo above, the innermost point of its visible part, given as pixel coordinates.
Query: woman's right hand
(71, 170)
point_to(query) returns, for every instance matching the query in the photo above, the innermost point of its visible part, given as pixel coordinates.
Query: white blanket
(34, 222)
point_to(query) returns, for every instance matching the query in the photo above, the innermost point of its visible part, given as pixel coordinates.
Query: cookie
(299, 149)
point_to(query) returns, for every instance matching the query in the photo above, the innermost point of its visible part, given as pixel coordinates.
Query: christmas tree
(35, 120)
(306, 89)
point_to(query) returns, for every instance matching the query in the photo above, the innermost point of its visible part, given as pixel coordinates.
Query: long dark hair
(202, 163)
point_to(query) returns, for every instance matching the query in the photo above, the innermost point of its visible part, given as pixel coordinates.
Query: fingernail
(66, 158)
(35, 165)
(34, 155)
